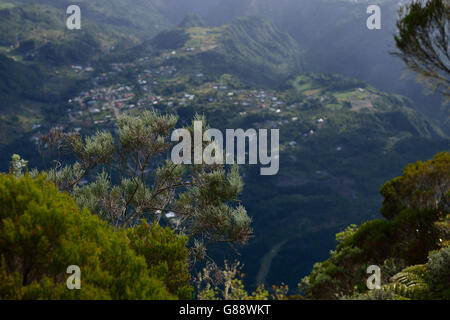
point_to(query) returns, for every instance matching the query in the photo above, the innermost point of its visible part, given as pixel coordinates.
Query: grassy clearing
(350, 95)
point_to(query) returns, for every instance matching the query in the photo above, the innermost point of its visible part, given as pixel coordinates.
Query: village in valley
(164, 80)
(155, 83)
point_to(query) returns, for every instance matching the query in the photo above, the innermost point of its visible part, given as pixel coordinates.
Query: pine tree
(134, 181)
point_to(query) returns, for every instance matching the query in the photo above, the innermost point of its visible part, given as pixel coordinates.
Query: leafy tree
(171, 39)
(201, 196)
(416, 205)
(422, 40)
(438, 271)
(42, 232)
(418, 282)
(165, 254)
(408, 284)
(423, 185)
(18, 165)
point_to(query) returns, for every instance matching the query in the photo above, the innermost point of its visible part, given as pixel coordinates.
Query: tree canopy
(410, 246)
(423, 41)
(127, 177)
(42, 233)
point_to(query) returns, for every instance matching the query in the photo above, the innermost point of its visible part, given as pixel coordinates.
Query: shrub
(42, 232)
(438, 270)
(166, 255)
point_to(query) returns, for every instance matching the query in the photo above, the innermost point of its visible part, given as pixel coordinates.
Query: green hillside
(255, 40)
(191, 21)
(35, 30)
(20, 85)
(38, 33)
(141, 17)
(18, 80)
(251, 48)
(37, 54)
(410, 244)
(334, 37)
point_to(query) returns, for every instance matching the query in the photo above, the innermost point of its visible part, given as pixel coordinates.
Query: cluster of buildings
(145, 84)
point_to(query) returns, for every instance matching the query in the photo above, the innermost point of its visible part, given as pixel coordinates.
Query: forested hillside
(251, 48)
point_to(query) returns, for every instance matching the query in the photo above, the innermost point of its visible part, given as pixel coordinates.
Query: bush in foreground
(43, 232)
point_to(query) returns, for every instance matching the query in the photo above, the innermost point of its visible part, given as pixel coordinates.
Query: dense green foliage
(79, 49)
(18, 80)
(256, 47)
(166, 256)
(428, 281)
(141, 17)
(191, 21)
(251, 48)
(38, 33)
(422, 186)
(418, 212)
(42, 233)
(170, 40)
(20, 23)
(20, 84)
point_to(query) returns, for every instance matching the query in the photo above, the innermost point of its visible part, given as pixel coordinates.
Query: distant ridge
(191, 21)
(258, 48)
